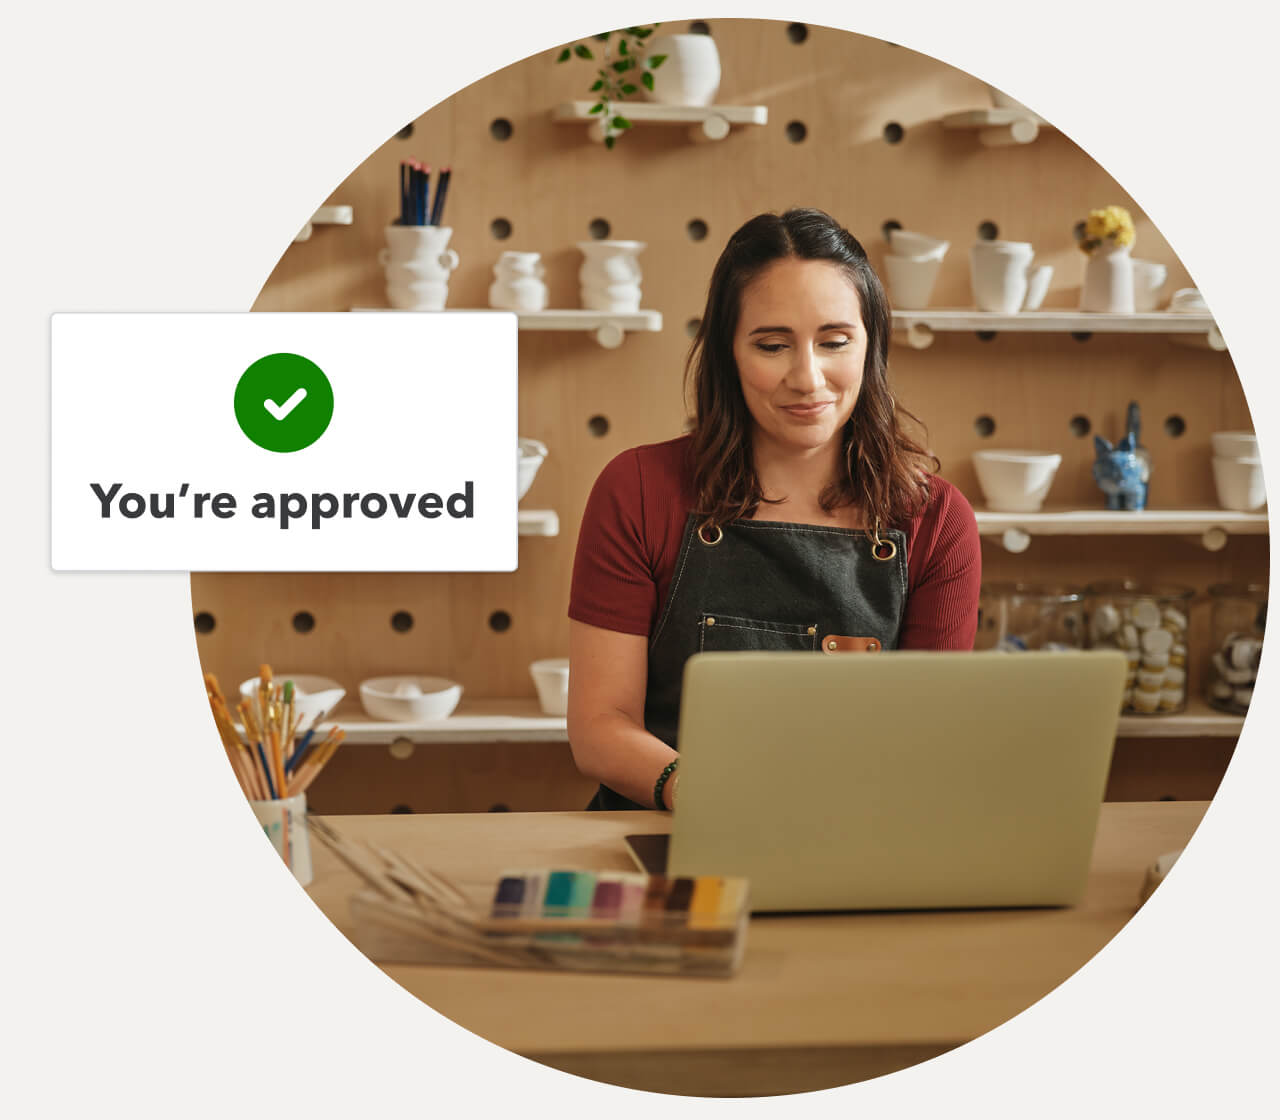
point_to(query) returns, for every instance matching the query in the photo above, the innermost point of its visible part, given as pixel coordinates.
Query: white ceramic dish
(1235, 445)
(407, 699)
(312, 695)
(1239, 484)
(1015, 481)
(529, 456)
(551, 679)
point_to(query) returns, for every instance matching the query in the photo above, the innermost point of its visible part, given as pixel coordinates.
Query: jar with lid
(1023, 616)
(1149, 623)
(1237, 617)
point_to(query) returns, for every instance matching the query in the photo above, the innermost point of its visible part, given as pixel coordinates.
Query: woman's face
(800, 347)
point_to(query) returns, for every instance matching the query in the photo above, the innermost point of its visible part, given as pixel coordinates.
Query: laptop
(899, 780)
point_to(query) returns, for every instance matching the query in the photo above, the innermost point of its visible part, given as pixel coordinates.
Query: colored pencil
(442, 188)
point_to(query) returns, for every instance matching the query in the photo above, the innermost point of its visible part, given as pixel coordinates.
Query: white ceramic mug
(998, 274)
(1148, 279)
(285, 823)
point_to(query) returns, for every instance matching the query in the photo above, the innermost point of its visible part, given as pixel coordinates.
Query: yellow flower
(1111, 224)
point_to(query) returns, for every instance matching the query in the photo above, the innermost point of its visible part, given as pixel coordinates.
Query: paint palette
(582, 921)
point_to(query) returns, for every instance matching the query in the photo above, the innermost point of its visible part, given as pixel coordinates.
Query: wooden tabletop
(820, 999)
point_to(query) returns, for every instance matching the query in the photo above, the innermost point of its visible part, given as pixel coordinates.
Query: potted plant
(622, 55)
(1106, 236)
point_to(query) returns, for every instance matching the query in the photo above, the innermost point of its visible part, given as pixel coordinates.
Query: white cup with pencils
(276, 751)
(418, 263)
(285, 823)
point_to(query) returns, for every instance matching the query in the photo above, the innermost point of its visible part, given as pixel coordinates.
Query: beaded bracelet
(668, 770)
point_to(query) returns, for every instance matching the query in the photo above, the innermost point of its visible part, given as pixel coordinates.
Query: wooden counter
(821, 1000)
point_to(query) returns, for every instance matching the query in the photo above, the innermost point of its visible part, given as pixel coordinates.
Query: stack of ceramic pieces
(1235, 672)
(1237, 471)
(1154, 638)
(912, 268)
(1188, 301)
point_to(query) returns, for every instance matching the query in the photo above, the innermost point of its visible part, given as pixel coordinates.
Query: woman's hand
(608, 675)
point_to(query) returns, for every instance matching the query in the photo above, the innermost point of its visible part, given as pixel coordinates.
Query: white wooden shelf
(609, 327)
(703, 122)
(1211, 526)
(538, 523)
(522, 721)
(327, 216)
(920, 326)
(474, 721)
(1199, 721)
(997, 128)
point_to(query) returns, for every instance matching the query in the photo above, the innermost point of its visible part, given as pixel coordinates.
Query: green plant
(623, 54)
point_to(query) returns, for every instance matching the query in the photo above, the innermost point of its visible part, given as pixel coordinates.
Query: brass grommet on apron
(879, 545)
(718, 537)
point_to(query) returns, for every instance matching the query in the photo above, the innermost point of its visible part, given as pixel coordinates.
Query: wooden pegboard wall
(853, 128)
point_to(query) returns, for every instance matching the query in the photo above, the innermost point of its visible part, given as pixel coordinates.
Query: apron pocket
(729, 632)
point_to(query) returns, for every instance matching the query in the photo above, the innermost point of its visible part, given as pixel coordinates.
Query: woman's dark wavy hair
(885, 471)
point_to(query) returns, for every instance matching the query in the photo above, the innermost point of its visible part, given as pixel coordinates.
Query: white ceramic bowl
(408, 698)
(1005, 248)
(1189, 300)
(551, 679)
(312, 695)
(1015, 481)
(529, 458)
(1235, 445)
(1239, 484)
(917, 246)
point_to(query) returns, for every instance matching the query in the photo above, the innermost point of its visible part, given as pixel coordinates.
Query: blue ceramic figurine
(1121, 473)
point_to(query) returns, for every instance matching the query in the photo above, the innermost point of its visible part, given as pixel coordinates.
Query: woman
(795, 515)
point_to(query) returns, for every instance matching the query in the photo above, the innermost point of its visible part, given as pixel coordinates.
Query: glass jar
(1238, 615)
(1021, 616)
(1149, 623)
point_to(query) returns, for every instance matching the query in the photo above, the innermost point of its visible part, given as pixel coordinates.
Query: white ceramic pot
(551, 679)
(529, 456)
(911, 280)
(690, 75)
(1239, 483)
(1015, 481)
(424, 248)
(1235, 445)
(1108, 281)
(409, 699)
(917, 246)
(513, 266)
(1148, 279)
(1038, 280)
(610, 275)
(998, 275)
(409, 294)
(529, 294)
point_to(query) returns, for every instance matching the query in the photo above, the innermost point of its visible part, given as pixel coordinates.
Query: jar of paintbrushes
(275, 759)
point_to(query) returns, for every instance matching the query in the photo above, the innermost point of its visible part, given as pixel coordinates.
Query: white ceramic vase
(911, 280)
(998, 275)
(690, 75)
(610, 275)
(418, 262)
(1108, 281)
(517, 283)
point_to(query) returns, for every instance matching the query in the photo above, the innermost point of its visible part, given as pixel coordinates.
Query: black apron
(769, 585)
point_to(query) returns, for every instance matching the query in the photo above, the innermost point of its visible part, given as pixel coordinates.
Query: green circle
(283, 402)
